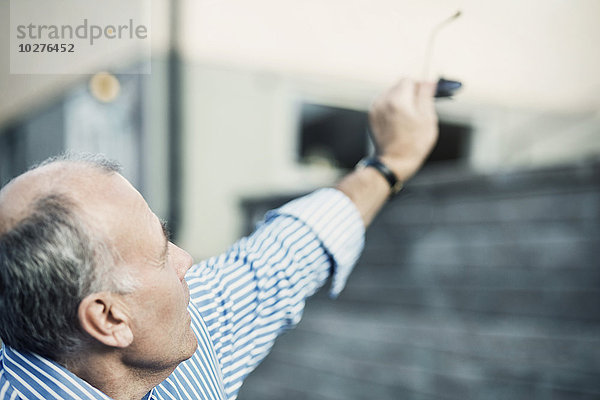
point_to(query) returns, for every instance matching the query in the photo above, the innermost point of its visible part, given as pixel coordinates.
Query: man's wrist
(402, 167)
(395, 184)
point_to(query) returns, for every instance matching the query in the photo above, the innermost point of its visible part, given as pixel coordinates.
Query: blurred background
(481, 280)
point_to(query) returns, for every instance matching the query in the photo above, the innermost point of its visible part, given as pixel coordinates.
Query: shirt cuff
(333, 217)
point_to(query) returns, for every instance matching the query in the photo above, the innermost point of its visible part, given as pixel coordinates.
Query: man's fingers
(402, 93)
(406, 95)
(425, 91)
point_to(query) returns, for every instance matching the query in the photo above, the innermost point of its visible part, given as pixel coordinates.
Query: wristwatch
(395, 183)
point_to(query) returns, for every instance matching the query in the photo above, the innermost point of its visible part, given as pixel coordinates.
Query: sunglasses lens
(446, 88)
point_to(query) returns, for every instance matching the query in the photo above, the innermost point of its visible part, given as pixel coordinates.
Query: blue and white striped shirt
(240, 302)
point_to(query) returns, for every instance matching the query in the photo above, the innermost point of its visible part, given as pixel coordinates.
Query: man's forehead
(96, 193)
(60, 176)
(19, 195)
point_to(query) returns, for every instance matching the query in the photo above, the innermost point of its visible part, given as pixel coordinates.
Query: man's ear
(102, 316)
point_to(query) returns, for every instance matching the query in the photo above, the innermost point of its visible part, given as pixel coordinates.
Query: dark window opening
(331, 135)
(339, 137)
(453, 143)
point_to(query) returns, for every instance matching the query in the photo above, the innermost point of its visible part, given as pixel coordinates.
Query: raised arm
(246, 297)
(404, 127)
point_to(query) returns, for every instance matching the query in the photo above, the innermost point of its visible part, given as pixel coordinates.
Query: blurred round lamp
(105, 87)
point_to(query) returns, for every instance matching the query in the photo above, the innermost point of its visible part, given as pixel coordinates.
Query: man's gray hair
(50, 261)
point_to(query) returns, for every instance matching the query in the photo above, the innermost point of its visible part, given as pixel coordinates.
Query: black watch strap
(395, 183)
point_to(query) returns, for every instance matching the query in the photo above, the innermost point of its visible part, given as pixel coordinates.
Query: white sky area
(539, 54)
(532, 53)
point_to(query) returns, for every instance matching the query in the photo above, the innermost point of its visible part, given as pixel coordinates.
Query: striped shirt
(240, 302)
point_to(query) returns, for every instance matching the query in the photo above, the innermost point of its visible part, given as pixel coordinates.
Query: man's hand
(404, 126)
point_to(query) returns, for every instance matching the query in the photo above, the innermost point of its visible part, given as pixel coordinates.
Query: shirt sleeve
(257, 289)
(337, 225)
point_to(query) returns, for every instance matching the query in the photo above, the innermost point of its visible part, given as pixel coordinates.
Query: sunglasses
(445, 87)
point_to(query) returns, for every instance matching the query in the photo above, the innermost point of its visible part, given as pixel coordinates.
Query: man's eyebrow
(167, 235)
(165, 229)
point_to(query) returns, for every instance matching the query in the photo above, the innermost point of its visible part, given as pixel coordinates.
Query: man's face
(157, 309)
(156, 312)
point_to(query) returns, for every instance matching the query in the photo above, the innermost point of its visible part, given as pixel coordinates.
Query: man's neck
(107, 373)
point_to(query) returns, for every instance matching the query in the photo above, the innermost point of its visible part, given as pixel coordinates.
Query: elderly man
(97, 303)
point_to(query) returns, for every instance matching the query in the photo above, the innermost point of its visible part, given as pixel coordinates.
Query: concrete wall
(531, 88)
(240, 140)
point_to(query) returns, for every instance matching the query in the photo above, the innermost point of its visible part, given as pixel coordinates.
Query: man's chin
(193, 345)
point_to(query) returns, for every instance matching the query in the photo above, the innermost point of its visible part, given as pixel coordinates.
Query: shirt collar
(36, 377)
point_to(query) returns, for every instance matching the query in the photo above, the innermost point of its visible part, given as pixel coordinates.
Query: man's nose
(184, 261)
